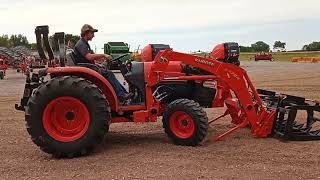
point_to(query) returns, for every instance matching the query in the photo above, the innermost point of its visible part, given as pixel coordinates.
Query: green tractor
(117, 49)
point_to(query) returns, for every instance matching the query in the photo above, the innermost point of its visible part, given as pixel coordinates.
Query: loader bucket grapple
(288, 124)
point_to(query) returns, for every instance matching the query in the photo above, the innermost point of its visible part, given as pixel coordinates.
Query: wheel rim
(182, 124)
(66, 119)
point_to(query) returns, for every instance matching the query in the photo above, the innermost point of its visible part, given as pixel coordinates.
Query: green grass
(281, 56)
(278, 56)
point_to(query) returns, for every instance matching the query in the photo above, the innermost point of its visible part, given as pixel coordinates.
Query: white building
(279, 49)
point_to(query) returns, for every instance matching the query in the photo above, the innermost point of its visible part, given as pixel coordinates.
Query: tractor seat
(71, 61)
(70, 56)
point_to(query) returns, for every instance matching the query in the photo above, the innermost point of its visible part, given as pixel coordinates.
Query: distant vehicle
(263, 56)
(3, 68)
(279, 49)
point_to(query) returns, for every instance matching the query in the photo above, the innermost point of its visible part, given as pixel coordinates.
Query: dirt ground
(142, 151)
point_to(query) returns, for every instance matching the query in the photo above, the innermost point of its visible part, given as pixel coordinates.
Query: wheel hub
(182, 124)
(70, 116)
(66, 119)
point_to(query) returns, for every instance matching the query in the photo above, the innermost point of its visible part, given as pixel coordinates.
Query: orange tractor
(263, 56)
(3, 68)
(68, 110)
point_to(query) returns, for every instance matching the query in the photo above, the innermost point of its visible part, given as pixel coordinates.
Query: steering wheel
(118, 58)
(124, 67)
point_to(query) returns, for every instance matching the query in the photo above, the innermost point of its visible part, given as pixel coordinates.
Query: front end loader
(69, 109)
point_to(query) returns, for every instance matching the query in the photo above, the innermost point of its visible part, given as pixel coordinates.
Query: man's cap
(86, 28)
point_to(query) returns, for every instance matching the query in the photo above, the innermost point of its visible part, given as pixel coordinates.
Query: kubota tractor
(263, 56)
(68, 110)
(3, 68)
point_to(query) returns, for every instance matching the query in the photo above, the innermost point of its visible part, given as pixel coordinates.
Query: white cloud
(132, 16)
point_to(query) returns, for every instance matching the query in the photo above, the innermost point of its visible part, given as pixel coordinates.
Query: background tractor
(116, 49)
(69, 109)
(3, 68)
(263, 56)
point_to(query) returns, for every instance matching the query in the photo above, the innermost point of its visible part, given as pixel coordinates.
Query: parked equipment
(227, 52)
(68, 110)
(116, 49)
(3, 68)
(306, 59)
(151, 50)
(263, 56)
(136, 55)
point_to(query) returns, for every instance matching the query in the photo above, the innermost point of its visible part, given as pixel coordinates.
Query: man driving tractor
(84, 54)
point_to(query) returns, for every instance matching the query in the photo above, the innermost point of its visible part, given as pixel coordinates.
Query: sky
(183, 24)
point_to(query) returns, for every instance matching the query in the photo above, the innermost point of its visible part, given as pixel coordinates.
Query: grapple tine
(315, 132)
(287, 126)
(307, 129)
(299, 126)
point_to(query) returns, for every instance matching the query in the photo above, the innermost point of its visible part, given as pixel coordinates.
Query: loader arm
(250, 111)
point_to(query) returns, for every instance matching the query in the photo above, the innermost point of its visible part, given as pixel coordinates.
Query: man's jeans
(120, 90)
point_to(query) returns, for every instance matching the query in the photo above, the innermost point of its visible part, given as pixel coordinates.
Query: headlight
(210, 84)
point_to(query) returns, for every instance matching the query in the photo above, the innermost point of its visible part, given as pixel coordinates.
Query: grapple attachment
(297, 118)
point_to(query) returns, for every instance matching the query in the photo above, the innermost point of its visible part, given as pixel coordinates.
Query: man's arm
(85, 51)
(94, 57)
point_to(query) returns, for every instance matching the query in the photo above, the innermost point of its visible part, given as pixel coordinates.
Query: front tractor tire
(67, 116)
(185, 122)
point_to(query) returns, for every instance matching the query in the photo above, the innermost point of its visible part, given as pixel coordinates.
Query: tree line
(314, 46)
(261, 46)
(21, 40)
(14, 40)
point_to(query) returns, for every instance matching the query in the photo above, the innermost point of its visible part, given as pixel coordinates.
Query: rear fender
(93, 77)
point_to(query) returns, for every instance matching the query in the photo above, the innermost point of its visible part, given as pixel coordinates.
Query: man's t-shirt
(81, 49)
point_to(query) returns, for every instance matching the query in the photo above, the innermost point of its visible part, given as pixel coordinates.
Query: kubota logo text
(204, 62)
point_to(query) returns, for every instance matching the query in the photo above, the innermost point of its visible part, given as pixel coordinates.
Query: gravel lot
(142, 151)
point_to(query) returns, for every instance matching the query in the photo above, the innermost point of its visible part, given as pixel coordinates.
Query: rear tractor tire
(185, 122)
(67, 116)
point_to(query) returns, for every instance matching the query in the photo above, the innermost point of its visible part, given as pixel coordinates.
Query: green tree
(245, 49)
(15, 40)
(73, 38)
(4, 41)
(260, 46)
(314, 46)
(18, 40)
(68, 37)
(279, 44)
